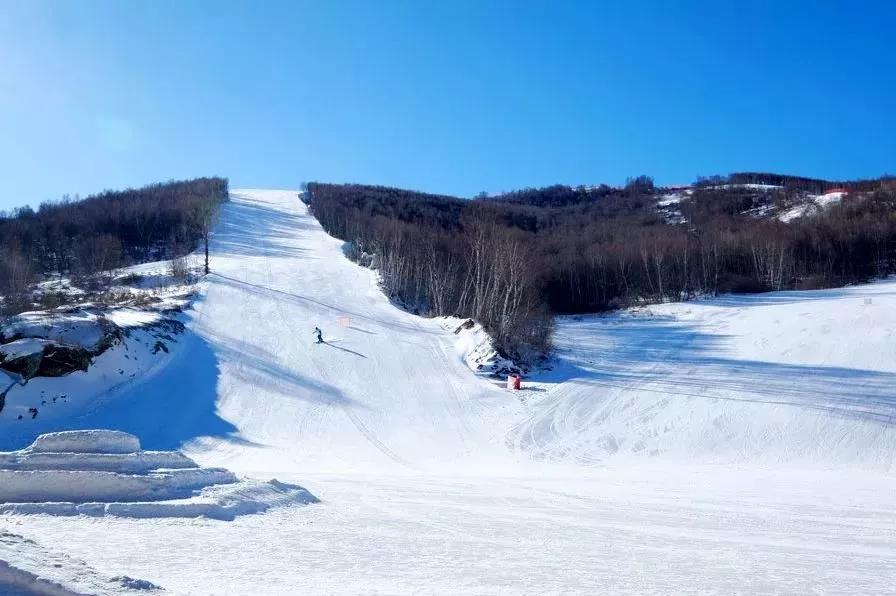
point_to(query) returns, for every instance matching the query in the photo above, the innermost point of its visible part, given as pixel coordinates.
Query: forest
(80, 238)
(514, 260)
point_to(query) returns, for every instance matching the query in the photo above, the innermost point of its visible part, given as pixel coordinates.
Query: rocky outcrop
(53, 360)
(54, 344)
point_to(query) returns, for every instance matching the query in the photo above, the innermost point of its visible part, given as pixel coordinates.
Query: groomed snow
(28, 568)
(734, 445)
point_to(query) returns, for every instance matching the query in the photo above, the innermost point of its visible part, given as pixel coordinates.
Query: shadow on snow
(667, 356)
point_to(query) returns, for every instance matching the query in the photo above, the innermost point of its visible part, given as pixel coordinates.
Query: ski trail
(404, 401)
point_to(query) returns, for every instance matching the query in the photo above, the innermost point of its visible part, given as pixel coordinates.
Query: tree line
(512, 261)
(103, 232)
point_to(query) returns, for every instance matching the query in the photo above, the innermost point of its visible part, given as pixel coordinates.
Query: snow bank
(35, 486)
(100, 472)
(86, 441)
(223, 503)
(125, 463)
(475, 347)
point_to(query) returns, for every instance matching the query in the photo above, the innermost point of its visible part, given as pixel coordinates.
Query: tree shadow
(879, 289)
(164, 408)
(677, 359)
(178, 402)
(300, 299)
(260, 368)
(251, 229)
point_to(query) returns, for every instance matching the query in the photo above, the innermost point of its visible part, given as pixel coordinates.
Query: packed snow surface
(40, 570)
(731, 445)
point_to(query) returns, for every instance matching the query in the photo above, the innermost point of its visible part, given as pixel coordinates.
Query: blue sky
(453, 97)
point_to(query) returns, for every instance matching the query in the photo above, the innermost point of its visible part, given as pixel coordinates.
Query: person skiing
(319, 333)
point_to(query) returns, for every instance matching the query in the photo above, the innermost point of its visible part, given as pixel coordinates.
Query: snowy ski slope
(795, 378)
(734, 445)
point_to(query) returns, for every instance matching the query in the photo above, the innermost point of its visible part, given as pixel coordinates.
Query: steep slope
(385, 391)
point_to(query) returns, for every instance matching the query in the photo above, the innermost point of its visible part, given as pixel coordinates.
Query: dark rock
(58, 361)
(468, 324)
(25, 366)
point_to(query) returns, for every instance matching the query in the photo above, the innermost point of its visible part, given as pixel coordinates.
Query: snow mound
(475, 347)
(104, 472)
(86, 441)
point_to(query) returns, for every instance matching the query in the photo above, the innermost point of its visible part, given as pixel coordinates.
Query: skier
(318, 332)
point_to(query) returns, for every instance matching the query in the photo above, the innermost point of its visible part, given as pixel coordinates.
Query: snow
(750, 186)
(475, 348)
(641, 530)
(86, 441)
(84, 399)
(222, 502)
(730, 445)
(670, 199)
(28, 568)
(37, 486)
(795, 378)
(829, 198)
(103, 472)
(75, 327)
(668, 205)
(21, 348)
(129, 463)
(796, 212)
(813, 204)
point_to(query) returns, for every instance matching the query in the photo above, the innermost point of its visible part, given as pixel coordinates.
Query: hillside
(754, 432)
(562, 250)
(77, 243)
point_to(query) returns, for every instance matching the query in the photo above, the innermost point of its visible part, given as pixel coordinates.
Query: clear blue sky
(453, 97)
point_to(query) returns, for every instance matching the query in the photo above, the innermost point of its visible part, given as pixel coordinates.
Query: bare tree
(205, 215)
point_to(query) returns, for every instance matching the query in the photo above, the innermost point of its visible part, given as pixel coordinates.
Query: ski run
(731, 445)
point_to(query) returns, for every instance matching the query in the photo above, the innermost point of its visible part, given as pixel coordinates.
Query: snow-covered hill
(796, 378)
(730, 445)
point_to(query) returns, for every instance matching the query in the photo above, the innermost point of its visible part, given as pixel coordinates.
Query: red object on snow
(513, 382)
